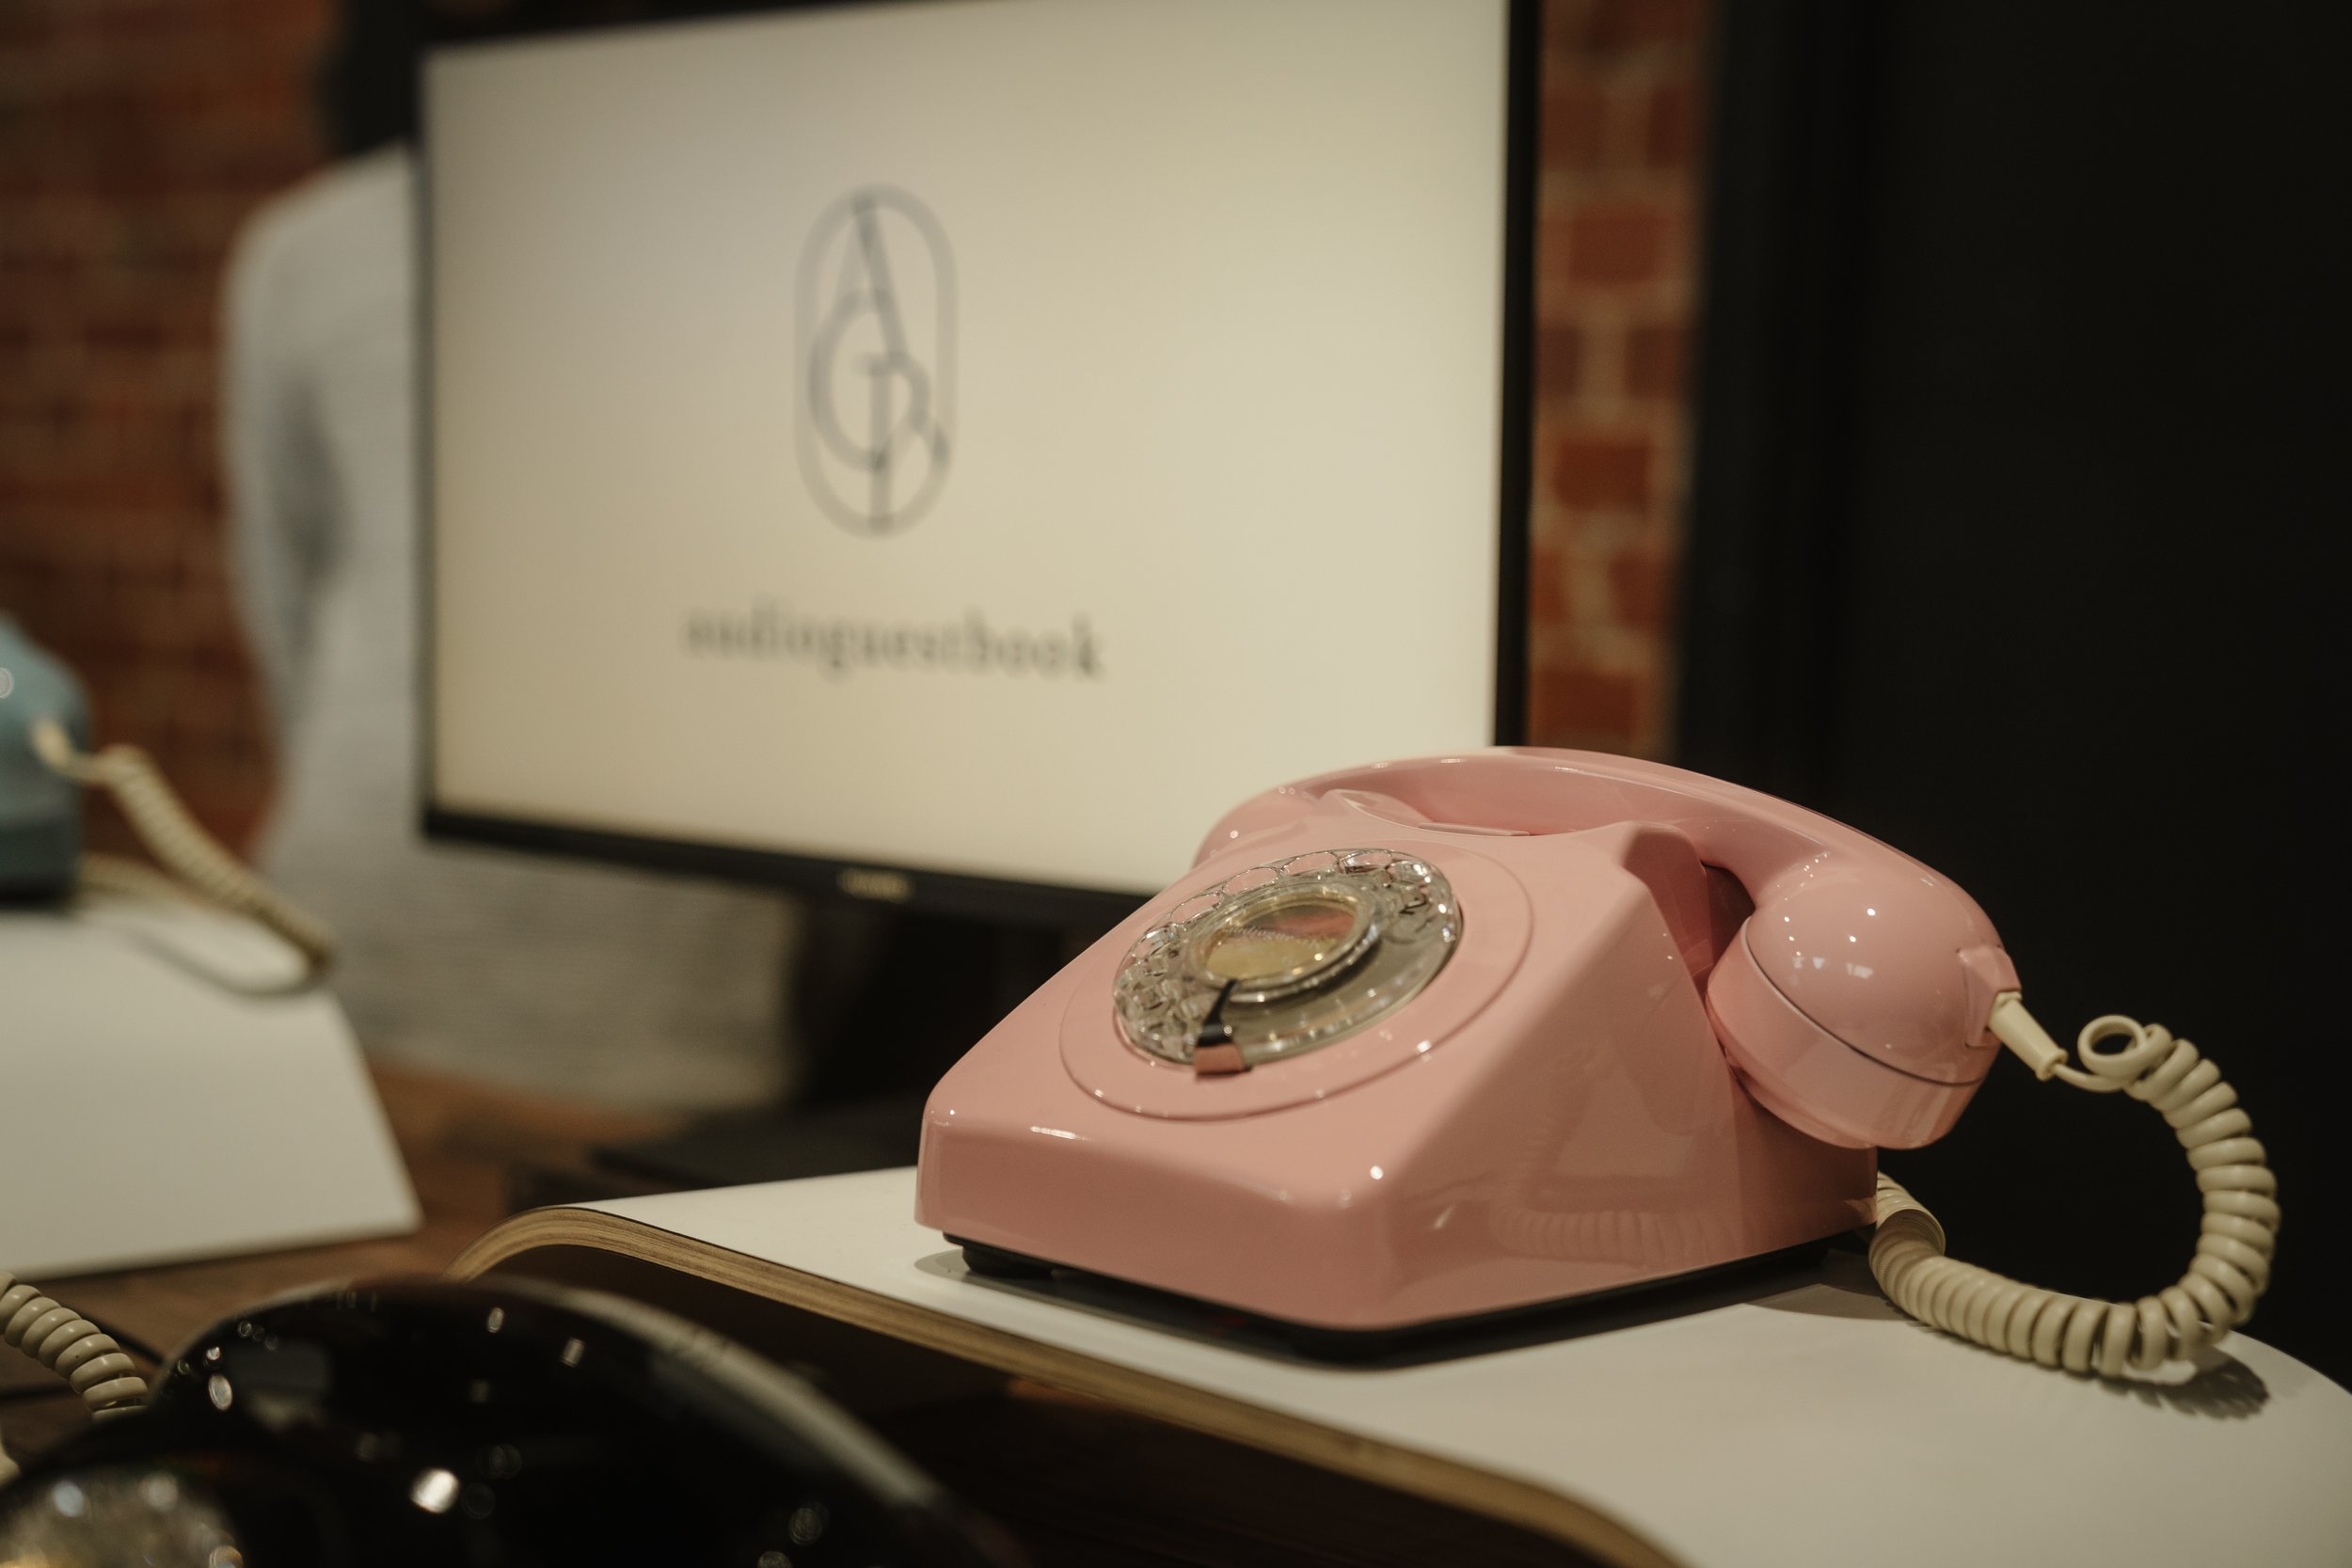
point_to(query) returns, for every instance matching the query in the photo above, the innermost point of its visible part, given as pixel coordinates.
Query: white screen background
(1226, 359)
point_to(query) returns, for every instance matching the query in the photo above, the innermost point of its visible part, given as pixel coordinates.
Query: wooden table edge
(1429, 1475)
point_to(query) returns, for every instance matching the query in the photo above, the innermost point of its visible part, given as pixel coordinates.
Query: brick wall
(1615, 290)
(135, 135)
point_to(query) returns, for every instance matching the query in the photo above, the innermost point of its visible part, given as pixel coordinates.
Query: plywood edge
(1430, 1476)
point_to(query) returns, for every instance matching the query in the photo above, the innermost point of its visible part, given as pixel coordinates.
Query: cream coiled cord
(69, 1345)
(2234, 1242)
(179, 841)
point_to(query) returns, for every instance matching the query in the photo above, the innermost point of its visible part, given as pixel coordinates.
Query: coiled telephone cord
(179, 841)
(68, 1344)
(2234, 1242)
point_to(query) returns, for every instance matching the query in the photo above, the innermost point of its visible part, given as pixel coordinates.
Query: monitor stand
(888, 1001)
(775, 1146)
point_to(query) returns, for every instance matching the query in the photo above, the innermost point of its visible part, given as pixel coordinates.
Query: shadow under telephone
(1453, 1036)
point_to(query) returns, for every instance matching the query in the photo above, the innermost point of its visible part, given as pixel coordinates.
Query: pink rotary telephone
(1452, 1035)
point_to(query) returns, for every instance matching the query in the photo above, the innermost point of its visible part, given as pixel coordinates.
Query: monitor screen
(953, 451)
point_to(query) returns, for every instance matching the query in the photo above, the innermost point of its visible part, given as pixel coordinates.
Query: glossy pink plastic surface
(1552, 1116)
(1883, 955)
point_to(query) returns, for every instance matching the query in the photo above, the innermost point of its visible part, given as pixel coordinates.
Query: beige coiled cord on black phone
(2234, 1242)
(68, 1344)
(58, 1338)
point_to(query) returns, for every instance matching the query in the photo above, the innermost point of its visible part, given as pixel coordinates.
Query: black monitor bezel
(917, 887)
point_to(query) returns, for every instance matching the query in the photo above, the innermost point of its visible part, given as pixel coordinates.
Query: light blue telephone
(45, 760)
(40, 809)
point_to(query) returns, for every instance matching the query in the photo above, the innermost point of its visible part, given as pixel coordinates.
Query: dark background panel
(2044, 422)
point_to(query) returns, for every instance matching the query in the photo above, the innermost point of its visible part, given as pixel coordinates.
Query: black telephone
(510, 1423)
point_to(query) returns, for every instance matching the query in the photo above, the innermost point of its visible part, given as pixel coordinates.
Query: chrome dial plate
(1286, 957)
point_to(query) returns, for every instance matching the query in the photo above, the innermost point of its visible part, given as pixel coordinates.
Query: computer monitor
(949, 452)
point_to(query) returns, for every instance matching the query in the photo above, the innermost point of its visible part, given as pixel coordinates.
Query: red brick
(1587, 708)
(1638, 588)
(151, 612)
(210, 710)
(1559, 361)
(1654, 360)
(1620, 242)
(1552, 225)
(1670, 129)
(138, 135)
(1575, 125)
(1614, 24)
(1601, 470)
(1547, 586)
(1567, 22)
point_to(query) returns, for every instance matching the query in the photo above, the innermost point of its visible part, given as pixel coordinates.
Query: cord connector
(2015, 1028)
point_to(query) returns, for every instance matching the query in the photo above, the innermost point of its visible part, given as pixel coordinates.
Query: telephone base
(1553, 1117)
(738, 1148)
(1412, 1344)
(992, 1262)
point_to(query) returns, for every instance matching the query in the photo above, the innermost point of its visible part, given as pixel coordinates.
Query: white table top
(164, 1096)
(1812, 1427)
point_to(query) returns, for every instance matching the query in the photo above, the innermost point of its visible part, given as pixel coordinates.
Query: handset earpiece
(1854, 1001)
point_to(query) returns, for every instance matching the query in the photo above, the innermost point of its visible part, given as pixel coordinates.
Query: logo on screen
(876, 352)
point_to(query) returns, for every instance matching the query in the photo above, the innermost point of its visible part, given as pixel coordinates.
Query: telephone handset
(1452, 1036)
(45, 760)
